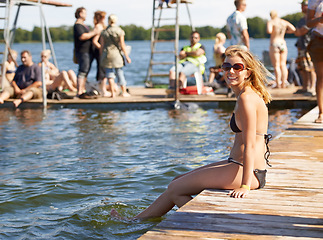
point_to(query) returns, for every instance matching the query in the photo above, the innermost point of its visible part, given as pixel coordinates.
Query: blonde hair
(46, 52)
(220, 38)
(258, 72)
(13, 54)
(273, 14)
(112, 19)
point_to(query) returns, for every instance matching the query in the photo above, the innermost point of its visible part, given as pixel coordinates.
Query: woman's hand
(239, 193)
(128, 59)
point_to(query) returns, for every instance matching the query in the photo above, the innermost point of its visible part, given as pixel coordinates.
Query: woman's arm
(269, 27)
(123, 48)
(289, 27)
(247, 115)
(96, 38)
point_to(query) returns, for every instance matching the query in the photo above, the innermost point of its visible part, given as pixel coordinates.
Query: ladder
(157, 54)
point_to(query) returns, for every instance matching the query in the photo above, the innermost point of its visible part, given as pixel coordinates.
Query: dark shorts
(259, 174)
(315, 48)
(84, 60)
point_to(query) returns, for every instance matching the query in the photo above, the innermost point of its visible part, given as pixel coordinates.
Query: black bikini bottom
(260, 174)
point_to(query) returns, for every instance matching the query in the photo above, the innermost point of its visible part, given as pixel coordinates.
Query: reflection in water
(70, 167)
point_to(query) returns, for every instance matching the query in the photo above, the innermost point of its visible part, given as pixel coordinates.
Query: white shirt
(317, 5)
(236, 22)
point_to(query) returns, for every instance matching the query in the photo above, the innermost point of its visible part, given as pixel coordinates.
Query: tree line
(256, 29)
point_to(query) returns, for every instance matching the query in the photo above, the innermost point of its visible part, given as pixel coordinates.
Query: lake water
(61, 173)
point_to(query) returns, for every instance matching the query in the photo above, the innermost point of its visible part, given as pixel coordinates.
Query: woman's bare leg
(72, 76)
(319, 90)
(179, 191)
(275, 61)
(4, 96)
(283, 67)
(112, 86)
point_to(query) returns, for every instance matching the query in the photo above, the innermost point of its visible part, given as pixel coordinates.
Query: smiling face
(235, 78)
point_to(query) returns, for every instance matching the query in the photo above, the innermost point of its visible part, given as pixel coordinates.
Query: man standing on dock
(237, 27)
(82, 47)
(304, 63)
(26, 83)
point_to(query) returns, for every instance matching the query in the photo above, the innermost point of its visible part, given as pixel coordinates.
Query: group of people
(309, 44)
(106, 45)
(25, 81)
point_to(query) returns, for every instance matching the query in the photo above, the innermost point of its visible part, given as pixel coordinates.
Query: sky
(139, 12)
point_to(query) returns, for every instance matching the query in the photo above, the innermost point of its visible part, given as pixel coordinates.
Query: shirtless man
(277, 28)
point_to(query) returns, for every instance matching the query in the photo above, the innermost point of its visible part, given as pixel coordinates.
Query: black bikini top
(233, 124)
(267, 137)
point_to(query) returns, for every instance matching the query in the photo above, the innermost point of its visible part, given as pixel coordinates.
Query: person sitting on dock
(218, 56)
(10, 66)
(55, 79)
(245, 167)
(26, 83)
(192, 59)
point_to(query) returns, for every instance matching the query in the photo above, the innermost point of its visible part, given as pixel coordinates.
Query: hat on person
(304, 2)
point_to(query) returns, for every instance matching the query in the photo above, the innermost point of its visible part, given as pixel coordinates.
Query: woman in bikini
(54, 78)
(10, 66)
(277, 28)
(245, 168)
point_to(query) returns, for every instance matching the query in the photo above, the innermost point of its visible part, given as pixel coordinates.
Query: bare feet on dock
(1, 101)
(319, 119)
(17, 102)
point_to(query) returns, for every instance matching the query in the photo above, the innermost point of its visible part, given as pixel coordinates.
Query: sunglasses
(238, 67)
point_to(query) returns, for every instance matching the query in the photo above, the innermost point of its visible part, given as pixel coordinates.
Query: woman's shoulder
(249, 96)
(99, 27)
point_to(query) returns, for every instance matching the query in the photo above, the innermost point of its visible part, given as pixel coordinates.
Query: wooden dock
(146, 98)
(289, 207)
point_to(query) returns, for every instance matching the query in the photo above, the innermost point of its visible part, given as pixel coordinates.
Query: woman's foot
(115, 214)
(125, 94)
(105, 93)
(319, 119)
